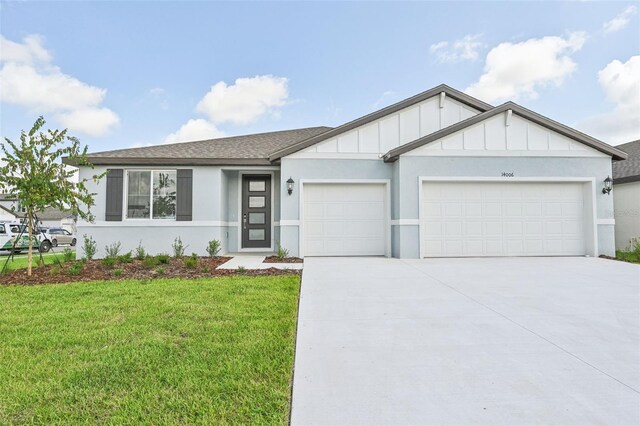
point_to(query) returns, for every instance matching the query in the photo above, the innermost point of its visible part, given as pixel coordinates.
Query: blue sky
(122, 74)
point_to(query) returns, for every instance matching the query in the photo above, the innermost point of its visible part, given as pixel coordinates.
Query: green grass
(20, 260)
(209, 351)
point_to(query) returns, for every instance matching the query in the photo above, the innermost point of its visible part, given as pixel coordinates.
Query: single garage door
(503, 219)
(344, 219)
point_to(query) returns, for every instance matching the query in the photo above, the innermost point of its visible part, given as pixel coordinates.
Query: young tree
(33, 170)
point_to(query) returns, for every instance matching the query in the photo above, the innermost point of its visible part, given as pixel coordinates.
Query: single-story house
(626, 195)
(437, 174)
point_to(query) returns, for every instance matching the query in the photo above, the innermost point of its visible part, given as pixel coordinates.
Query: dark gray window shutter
(114, 194)
(184, 196)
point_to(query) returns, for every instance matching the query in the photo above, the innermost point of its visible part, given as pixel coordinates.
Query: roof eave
(162, 161)
(626, 179)
(451, 92)
(615, 153)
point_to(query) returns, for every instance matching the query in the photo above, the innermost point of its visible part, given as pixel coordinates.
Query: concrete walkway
(468, 341)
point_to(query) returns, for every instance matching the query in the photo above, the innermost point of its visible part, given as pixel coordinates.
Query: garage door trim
(387, 206)
(591, 238)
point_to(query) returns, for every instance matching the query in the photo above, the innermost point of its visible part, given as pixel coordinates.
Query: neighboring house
(7, 215)
(626, 195)
(438, 174)
(10, 202)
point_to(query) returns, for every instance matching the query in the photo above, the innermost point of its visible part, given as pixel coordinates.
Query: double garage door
(503, 219)
(458, 219)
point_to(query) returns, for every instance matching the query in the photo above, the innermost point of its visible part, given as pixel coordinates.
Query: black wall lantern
(607, 185)
(290, 183)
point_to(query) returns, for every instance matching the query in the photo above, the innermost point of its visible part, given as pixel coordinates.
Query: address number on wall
(507, 174)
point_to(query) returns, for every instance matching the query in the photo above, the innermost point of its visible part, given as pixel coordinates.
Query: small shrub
(68, 255)
(178, 247)
(163, 258)
(241, 270)
(150, 262)
(190, 262)
(75, 268)
(214, 248)
(117, 272)
(112, 250)
(89, 246)
(55, 270)
(125, 258)
(109, 262)
(140, 252)
(283, 253)
(161, 271)
(205, 270)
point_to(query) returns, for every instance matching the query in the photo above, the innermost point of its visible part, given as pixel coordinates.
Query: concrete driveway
(468, 341)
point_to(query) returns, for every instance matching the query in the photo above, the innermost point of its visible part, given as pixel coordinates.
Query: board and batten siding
(502, 135)
(391, 131)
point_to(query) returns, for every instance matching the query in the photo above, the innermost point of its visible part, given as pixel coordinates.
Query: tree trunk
(30, 254)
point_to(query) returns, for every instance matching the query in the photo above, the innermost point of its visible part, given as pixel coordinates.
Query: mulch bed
(95, 270)
(276, 259)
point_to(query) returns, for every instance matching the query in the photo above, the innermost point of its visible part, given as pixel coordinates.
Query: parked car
(14, 237)
(59, 236)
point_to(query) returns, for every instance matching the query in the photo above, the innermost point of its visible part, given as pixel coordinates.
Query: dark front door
(256, 211)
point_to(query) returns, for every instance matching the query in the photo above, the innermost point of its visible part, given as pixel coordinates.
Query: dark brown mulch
(95, 270)
(276, 259)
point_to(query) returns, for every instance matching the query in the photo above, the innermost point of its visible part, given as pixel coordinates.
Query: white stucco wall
(626, 199)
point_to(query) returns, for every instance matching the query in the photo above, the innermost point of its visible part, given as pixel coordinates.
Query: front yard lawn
(212, 351)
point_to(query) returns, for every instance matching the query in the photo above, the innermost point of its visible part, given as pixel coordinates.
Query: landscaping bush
(112, 250)
(241, 270)
(109, 262)
(125, 258)
(68, 255)
(75, 268)
(90, 247)
(283, 253)
(55, 270)
(161, 270)
(140, 252)
(190, 262)
(214, 248)
(151, 262)
(117, 272)
(163, 258)
(178, 247)
(632, 253)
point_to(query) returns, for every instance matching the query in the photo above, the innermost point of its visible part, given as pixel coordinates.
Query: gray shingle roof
(628, 170)
(247, 149)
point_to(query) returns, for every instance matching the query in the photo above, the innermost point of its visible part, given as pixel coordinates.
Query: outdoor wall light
(607, 185)
(290, 183)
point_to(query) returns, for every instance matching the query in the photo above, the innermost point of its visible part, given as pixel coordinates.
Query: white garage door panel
(344, 219)
(503, 219)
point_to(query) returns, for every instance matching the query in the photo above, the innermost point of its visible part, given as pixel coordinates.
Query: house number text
(507, 174)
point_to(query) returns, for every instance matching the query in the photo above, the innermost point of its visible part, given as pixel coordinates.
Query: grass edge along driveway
(214, 351)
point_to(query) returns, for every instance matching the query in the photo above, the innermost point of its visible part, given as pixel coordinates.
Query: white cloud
(92, 121)
(621, 85)
(465, 49)
(246, 100)
(519, 69)
(195, 130)
(30, 79)
(30, 51)
(620, 21)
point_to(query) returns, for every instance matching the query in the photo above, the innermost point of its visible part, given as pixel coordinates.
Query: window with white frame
(151, 194)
